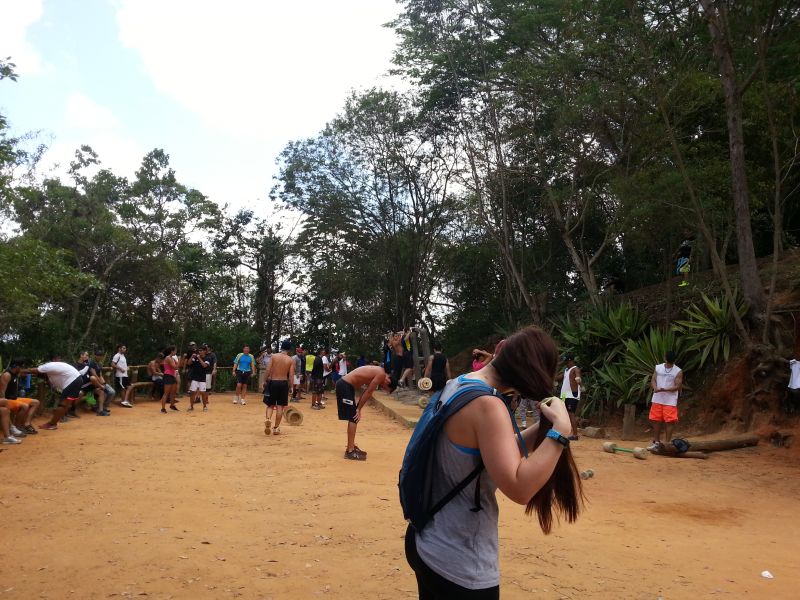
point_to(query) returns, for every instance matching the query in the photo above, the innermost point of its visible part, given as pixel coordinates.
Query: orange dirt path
(204, 505)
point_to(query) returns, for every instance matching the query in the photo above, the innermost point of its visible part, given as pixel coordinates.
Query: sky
(222, 87)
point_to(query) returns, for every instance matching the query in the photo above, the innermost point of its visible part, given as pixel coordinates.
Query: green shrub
(709, 330)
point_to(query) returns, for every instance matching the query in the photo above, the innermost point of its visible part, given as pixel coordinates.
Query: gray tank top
(458, 544)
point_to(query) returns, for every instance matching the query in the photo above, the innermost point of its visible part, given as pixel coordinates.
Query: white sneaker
(17, 432)
(11, 440)
(243, 402)
(236, 400)
(126, 404)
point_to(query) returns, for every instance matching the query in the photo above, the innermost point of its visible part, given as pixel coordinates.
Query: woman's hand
(555, 411)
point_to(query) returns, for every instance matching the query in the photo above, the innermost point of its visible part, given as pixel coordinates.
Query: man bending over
(349, 411)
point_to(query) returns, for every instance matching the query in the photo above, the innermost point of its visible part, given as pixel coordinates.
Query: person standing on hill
(667, 383)
(280, 378)
(244, 366)
(571, 392)
(438, 369)
(683, 264)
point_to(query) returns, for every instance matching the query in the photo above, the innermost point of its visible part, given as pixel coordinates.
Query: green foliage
(35, 277)
(709, 330)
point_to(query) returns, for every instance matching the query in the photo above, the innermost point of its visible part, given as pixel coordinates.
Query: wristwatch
(553, 434)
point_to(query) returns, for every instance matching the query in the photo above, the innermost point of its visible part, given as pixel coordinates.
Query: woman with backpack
(452, 542)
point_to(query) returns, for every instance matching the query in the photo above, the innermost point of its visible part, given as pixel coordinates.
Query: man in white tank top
(667, 382)
(571, 391)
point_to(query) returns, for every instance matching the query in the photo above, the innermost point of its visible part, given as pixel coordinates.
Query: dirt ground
(204, 505)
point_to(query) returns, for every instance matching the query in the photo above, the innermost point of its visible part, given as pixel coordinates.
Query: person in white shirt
(667, 383)
(793, 389)
(571, 391)
(120, 364)
(65, 378)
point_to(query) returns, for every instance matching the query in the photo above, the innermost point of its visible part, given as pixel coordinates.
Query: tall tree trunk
(752, 288)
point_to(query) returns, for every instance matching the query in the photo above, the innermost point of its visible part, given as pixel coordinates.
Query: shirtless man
(349, 411)
(280, 377)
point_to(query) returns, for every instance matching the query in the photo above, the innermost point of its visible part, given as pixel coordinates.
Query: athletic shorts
(571, 404)
(663, 413)
(408, 360)
(317, 385)
(197, 386)
(438, 381)
(683, 266)
(17, 403)
(297, 379)
(123, 382)
(169, 380)
(71, 393)
(345, 400)
(243, 377)
(278, 393)
(209, 377)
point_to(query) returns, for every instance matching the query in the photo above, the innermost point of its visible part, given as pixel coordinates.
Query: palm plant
(709, 330)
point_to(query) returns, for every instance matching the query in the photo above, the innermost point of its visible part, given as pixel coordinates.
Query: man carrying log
(349, 410)
(667, 382)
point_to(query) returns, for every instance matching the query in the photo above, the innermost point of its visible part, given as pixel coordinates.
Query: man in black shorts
(280, 377)
(571, 391)
(349, 410)
(317, 384)
(67, 379)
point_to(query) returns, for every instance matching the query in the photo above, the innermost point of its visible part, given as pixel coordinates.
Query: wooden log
(688, 454)
(629, 422)
(740, 441)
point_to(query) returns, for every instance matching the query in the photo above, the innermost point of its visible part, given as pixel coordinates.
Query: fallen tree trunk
(674, 454)
(740, 441)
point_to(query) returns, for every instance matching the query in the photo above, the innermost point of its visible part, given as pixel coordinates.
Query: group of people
(76, 382)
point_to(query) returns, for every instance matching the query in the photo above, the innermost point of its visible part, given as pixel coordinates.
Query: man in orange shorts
(22, 409)
(667, 382)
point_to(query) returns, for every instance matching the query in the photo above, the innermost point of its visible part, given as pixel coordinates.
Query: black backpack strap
(456, 491)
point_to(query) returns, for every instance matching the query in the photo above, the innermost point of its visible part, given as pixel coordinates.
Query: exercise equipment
(293, 416)
(425, 384)
(612, 448)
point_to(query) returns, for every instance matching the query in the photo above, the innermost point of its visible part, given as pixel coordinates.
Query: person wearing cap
(571, 391)
(280, 377)
(666, 383)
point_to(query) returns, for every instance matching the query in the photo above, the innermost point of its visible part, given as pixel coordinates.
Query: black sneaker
(172, 407)
(164, 410)
(355, 455)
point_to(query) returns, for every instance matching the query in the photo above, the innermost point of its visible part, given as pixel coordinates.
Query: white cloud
(276, 69)
(16, 16)
(84, 113)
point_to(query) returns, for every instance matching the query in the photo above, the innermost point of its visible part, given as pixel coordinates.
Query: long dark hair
(528, 363)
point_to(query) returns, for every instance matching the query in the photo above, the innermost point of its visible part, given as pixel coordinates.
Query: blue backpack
(419, 462)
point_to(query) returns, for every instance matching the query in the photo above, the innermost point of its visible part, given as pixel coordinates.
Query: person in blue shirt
(244, 365)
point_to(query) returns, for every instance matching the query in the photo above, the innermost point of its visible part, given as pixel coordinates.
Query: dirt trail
(205, 506)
